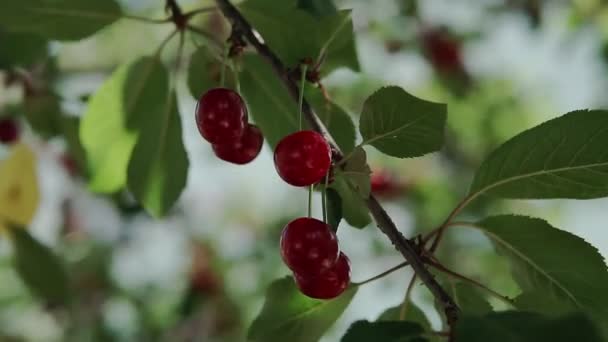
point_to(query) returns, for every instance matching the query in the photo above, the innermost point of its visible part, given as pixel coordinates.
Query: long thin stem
(406, 299)
(324, 198)
(162, 45)
(223, 69)
(384, 274)
(147, 20)
(384, 222)
(310, 189)
(208, 36)
(441, 230)
(456, 275)
(301, 95)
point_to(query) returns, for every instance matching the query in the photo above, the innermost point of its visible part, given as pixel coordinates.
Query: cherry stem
(235, 72)
(223, 70)
(310, 200)
(324, 198)
(406, 299)
(160, 48)
(147, 20)
(456, 275)
(301, 97)
(384, 274)
(194, 12)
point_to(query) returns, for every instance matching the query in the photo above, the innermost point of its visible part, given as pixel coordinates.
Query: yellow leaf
(19, 195)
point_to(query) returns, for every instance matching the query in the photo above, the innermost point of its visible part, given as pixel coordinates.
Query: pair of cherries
(309, 247)
(221, 118)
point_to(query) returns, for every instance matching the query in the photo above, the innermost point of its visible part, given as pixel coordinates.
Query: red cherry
(9, 131)
(442, 50)
(327, 285)
(385, 185)
(309, 246)
(221, 115)
(302, 158)
(243, 149)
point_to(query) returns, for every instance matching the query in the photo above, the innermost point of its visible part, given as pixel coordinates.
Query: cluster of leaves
(131, 137)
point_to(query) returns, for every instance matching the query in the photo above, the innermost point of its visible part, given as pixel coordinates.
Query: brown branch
(406, 247)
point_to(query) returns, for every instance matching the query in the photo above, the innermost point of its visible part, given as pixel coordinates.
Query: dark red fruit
(243, 149)
(302, 158)
(385, 185)
(327, 285)
(9, 131)
(309, 246)
(221, 115)
(442, 50)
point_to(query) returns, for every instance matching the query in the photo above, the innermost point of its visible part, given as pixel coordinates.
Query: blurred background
(200, 273)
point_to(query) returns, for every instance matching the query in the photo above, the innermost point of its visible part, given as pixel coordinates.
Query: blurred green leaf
(354, 209)
(39, 268)
(537, 301)
(59, 19)
(158, 168)
(402, 125)
(294, 34)
(204, 73)
(275, 111)
(288, 315)
(385, 331)
(468, 298)
(43, 113)
(412, 314)
(110, 126)
(551, 262)
(521, 326)
(358, 173)
(561, 158)
(318, 7)
(21, 49)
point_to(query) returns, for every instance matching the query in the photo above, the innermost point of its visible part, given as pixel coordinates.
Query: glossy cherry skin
(309, 246)
(242, 150)
(302, 158)
(9, 131)
(221, 115)
(327, 285)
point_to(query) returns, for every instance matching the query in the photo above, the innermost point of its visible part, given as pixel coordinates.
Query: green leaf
(21, 49)
(59, 19)
(288, 315)
(551, 262)
(538, 301)
(269, 103)
(561, 158)
(318, 7)
(358, 173)
(275, 111)
(39, 268)
(158, 168)
(402, 125)
(204, 73)
(511, 326)
(334, 208)
(295, 34)
(386, 331)
(469, 299)
(354, 208)
(109, 127)
(336, 120)
(412, 314)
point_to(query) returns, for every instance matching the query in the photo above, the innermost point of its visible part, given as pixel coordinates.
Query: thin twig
(456, 275)
(146, 20)
(406, 247)
(197, 11)
(406, 298)
(441, 230)
(384, 274)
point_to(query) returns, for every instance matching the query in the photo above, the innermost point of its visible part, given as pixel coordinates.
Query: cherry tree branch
(405, 246)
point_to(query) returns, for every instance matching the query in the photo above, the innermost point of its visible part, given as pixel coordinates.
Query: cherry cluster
(221, 118)
(309, 247)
